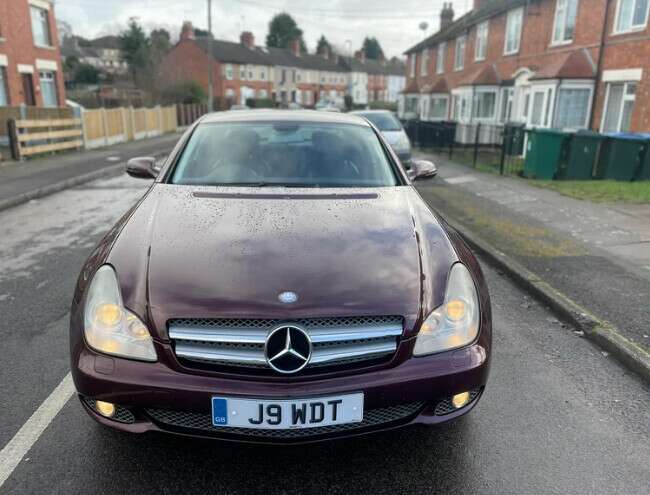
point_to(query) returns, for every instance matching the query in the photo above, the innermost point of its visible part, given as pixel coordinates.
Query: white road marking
(26, 437)
(460, 179)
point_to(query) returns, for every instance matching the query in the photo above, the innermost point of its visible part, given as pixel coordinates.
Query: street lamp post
(210, 89)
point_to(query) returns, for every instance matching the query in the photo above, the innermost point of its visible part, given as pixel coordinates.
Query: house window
(250, 74)
(484, 104)
(262, 93)
(229, 72)
(631, 15)
(459, 55)
(4, 94)
(507, 98)
(565, 21)
(620, 103)
(572, 108)
(40, 26)
(425, 62)
(438, 107)
(412, 65)
(440, 59)
(242, 72)
(262, 75)
(480, 50)
(538, 108)
(513, 31)
(48, 88)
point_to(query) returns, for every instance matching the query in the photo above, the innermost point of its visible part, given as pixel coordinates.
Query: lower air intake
(203, 421)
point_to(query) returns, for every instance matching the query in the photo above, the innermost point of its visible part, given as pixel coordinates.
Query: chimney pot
(294, 46)
(187, 31)
(247, 39)
(446, 15)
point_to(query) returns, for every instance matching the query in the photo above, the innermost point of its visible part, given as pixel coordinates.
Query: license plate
(229, 412)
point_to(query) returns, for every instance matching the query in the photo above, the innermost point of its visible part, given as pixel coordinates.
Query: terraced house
(30, 61)
(567, 64)
(243, 71)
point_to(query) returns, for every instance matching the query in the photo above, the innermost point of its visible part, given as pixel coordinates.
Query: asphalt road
(558, 415)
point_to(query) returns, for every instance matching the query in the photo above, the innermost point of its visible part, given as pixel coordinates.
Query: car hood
(230, 252)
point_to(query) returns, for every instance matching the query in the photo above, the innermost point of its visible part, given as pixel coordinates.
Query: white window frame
(230, 74)
(481, 45)
(625, 98)
(579, 85)
(480, 90)
(461, 44)
(49, 77)
(438, 96)
(424, 64)
(440, 58)
(48, 32)
(462, 97)
(632, 27)
(560, 18)
(506, 98)
(548, 91)
(510, 18)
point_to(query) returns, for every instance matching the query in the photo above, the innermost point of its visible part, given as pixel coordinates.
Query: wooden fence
(103, 127)
(33, 137)
(32, 130)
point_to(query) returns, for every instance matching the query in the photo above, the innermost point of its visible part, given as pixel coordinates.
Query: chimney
(360, 55)
(247, 39)
(294, 46)
(324, 52)
(187, 31)
(446, 15)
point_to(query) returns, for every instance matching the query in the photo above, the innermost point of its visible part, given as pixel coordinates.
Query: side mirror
(143, 167)
(421, 169)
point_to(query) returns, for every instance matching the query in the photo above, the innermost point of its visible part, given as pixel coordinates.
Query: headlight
(455, 323)
(111, 328)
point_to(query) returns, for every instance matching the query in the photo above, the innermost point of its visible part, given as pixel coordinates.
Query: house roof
(573, 65)
(411, 87)
(486, 10)
(228, 51)
(394, 66)
(440, 85)
(487, 75)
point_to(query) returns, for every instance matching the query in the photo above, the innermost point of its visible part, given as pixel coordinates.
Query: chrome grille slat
(240, 342)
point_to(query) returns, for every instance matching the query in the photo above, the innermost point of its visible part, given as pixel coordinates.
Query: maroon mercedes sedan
(281, 281)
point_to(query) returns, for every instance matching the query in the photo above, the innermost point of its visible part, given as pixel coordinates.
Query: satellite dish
(424, 26)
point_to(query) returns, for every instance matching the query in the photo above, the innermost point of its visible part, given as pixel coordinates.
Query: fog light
(459, 400)
(105, 408)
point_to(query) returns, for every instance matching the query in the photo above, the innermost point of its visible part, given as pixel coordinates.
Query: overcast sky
(394, 22)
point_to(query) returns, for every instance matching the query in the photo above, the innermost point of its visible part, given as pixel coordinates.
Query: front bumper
(160, 398)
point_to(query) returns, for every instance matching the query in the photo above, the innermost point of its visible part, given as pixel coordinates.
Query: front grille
(446, 407)
(203, 421)
(122, 414)
(236, 342)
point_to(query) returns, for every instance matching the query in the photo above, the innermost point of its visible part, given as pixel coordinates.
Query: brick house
(374, 80)
(566, 64)
(239, 70)
(244, 70)
(30, 61)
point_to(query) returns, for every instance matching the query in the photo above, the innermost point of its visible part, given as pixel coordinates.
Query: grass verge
(599, 191)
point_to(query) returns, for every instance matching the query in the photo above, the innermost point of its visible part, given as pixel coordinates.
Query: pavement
(597, 255)
(558, 415)
(27, 180)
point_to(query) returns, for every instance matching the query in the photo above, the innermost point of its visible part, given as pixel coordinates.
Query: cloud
(394, 23)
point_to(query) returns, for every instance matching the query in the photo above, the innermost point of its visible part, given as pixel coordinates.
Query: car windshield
(383, 121)
(285, 154)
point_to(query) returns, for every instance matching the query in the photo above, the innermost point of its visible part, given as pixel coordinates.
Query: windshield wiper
(264, 184)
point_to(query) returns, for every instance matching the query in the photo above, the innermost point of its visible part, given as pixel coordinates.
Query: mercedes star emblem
(288, 297)
(288, 348)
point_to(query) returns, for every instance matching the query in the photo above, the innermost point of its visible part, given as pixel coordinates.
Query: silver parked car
(392, 130)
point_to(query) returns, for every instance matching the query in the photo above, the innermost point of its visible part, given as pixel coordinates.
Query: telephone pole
(210, 89)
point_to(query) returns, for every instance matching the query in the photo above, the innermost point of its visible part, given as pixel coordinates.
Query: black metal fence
(491, 147)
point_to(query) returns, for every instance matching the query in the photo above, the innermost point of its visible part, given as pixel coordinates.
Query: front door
(28, 90)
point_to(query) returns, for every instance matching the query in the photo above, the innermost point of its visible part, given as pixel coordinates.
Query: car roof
(365, 112)
(269, 115)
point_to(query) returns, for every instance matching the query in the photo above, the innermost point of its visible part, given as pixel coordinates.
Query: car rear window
(286, 153)
(385, 122)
